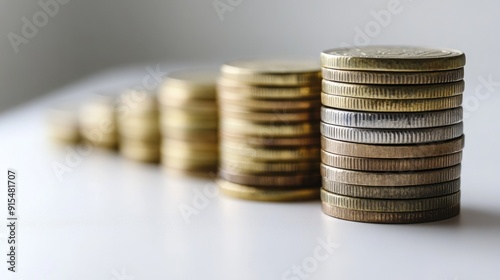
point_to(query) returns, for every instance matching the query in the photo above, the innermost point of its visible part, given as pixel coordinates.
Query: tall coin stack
(189, 122)
(269, 132)
(392, 133)
(138, 125)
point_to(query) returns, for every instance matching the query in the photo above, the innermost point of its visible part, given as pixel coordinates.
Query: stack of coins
(269, 129)
(62, 123)
(98, 120)
(138, 125)
(392, 133)
(189, 122)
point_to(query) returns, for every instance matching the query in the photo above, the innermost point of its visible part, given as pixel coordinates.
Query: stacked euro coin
(269, 129)
(392, 133)
(97, 118)
(138, 125)
(189, 122)
(62, 123)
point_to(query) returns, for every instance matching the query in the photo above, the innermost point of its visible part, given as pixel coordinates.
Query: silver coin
(391, 120)
(391, 136)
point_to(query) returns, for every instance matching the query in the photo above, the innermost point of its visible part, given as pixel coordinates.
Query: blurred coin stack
(269, 129)
(97, 118)
(189, 122)
(62, 123)
(392, 133)
(138, 125)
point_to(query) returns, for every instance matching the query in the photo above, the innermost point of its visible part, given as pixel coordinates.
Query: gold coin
(186, 123)
(391, 217)
(393, 78)
(185, 134)
(392, 58)
(64, 134)
(190, 84)
(272, 180)
(188, 116)
(390, 178)
(271, 141)
(270, 92)
(194, 106)
(392, 151)
(267, 194)
(394, 91)
(252, 167)
(139, 150)
(133, 102)
(278, 116)
(398, 192)
(148, 133)
(264, 104)
(278, 130)
(390, 205)
(384, 164)
(190, 164)
(237, 152)
(273, 72)
(188, 152)
(390, 105)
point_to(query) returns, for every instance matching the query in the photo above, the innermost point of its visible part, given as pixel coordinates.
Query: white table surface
(111, 218)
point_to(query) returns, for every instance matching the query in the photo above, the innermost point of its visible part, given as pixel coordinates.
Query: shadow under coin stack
(98, 120)
(269, 116)
(138, 126)
(189, 122)
(392, 133)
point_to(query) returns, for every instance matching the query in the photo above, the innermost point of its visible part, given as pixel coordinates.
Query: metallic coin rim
(391, 136)
(391, 120)
(394, 91)
(417, 63)
(390, 205)
(391, 217)
(390, 105)
(391, 179)
(272, 180)
(393, 78)
(396, 164)
(267, 194)
(393, 151)
(399, 192)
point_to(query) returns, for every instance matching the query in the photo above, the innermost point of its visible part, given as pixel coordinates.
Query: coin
(273, 72)
(277, 116)
(186, 123)
(253, 167)
(398, 164)
(268, 92)
(139, 150)
(272, 180)
(392, 136)
(192, 164)
(188, 105)
(390, 205)
(392, 58)
(271, 141)
(393, 78)
(241, 151)
(391, 120)
(390, 105)
(63, 123)
(398, 192)
(134, 101)
(391, 217)
(179, 133)
(269, 105)
(393, 151)
(267, 194)
(394, 91)
(190, 84)
(390, 178)
(278, 130)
